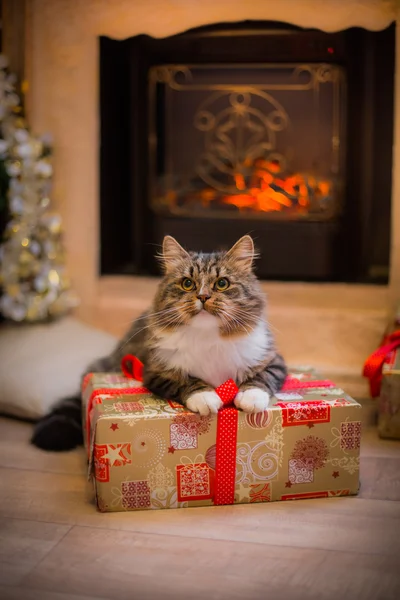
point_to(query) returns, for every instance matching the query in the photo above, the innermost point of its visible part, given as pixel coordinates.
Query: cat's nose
(203, 298)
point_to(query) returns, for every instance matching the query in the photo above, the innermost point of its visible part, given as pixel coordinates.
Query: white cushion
(40, 364)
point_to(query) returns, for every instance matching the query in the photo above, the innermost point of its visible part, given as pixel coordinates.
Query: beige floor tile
(373, 445)
(23, 593)
(16, 451)
(126, 565)
(23, 544)
(380, 478)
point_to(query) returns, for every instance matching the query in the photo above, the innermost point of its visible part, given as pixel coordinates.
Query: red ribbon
(374, 363)
(134, 372)
(95, 399)
(294, 384)
(136, 367)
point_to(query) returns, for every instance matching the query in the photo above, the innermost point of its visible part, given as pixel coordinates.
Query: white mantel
(63, 73)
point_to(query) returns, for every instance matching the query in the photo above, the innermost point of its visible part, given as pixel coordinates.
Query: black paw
(58, 433)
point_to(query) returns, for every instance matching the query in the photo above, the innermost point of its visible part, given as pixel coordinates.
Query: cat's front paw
(204, 403)
(252, 400)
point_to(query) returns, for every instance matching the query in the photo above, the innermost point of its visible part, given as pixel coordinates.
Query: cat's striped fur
(191, 341)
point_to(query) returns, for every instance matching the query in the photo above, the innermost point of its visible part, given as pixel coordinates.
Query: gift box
(383, 370)
(148, 453)
(389, 399)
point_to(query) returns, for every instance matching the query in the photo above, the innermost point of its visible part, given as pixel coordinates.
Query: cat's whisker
(236, 311)
(241, 312)
(171, 318)
(173, 323)
(167, 313)
(237, 320)
(176, 320)
(270, 326)
(243, 322)
(146, 316)
(245, 319)
(241, 318)
(166, 320)
(163, 313)
(227, 323)
(132, 336)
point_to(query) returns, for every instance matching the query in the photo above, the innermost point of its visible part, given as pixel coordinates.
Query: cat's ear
(243, 252)
(172, 254)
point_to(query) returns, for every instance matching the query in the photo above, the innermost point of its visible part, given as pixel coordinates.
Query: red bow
(374, 363)
(132, 367)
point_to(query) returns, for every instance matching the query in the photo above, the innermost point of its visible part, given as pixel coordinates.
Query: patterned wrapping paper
(389, 399)
(383, 370)
(147, 453)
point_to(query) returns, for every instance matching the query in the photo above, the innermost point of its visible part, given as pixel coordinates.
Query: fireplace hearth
(256, 128)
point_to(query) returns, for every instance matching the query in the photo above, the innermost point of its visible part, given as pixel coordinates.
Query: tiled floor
(54, 545)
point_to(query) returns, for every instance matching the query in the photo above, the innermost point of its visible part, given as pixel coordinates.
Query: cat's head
(217, 288)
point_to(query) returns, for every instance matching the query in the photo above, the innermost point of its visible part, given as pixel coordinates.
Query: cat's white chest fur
(198, 350)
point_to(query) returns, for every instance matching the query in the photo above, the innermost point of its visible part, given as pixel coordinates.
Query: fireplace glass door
(262, 141)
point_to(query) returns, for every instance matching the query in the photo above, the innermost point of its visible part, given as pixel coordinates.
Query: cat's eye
(187, 284)
(222, 284)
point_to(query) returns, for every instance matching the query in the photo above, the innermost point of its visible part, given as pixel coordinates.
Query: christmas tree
(34, 283)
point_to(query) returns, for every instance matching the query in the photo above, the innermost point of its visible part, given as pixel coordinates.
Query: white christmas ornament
(43, 168)
(21, 135)
(3, 146)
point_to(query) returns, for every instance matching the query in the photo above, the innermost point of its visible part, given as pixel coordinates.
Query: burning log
(262, 186)
(272, 190)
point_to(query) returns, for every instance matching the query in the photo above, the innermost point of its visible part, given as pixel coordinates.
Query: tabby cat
(206, 325)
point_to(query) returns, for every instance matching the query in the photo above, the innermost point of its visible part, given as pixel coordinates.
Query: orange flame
(287, 191)
(268, 189)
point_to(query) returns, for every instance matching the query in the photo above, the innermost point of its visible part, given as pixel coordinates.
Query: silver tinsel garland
(33, 280)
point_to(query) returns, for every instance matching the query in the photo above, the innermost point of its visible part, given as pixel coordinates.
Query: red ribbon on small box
(374, 363)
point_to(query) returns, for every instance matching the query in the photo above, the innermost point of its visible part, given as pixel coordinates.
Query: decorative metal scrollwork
(237, 134)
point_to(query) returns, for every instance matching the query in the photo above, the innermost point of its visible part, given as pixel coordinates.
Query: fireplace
(258, 128)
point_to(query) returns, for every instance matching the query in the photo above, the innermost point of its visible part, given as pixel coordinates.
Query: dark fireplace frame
(355, 248)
